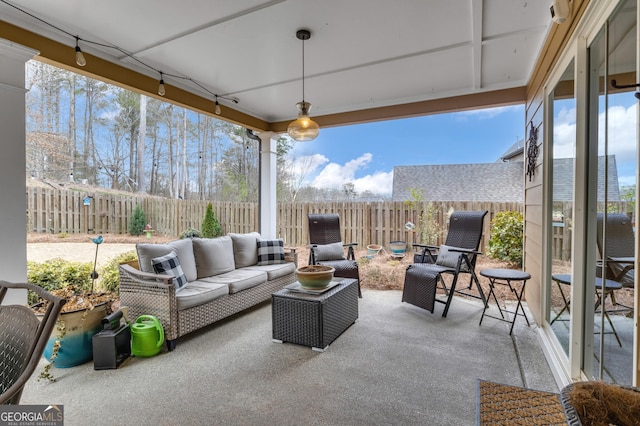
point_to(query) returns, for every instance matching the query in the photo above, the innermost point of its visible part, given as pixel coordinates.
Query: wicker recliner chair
(23, 338)
(327, 247)
(457, 256)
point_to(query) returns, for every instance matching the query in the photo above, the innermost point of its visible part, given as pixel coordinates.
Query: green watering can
(147, 336)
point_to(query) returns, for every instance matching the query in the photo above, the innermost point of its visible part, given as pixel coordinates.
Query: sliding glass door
(612, 162)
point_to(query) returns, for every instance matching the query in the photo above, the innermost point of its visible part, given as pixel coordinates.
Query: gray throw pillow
(449, 258)
(333, 251)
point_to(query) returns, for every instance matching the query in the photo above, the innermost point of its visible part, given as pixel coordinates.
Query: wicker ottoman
(314, 320)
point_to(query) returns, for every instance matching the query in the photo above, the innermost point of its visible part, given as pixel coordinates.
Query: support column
(13, 220)
(268, 160)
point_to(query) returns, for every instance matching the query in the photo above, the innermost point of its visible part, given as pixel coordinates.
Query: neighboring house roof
(491, 182)
(563, 179)
(514, 153)
(499, 182)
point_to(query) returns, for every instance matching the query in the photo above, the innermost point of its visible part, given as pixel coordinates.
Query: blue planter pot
(76, 347)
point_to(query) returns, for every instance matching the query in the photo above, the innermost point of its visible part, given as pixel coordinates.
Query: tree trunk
(142, 133)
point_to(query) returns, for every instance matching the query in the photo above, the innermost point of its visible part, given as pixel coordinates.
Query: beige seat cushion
(239, 279)
(274, 271)
(198, 292)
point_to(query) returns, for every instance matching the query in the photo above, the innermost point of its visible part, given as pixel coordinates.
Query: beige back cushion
(245, 249)
(147, 252)
(184, 248)
(214, 256)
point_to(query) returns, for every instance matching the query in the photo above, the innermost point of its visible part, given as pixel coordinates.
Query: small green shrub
(210, 226)
(59, 273)
(190, 233)
(507, 229)
(138, 222)
(109, 275)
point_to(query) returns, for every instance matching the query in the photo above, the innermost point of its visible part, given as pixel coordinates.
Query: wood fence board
(53, 210)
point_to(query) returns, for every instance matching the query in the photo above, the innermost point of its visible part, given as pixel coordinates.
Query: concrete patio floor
(398, 364)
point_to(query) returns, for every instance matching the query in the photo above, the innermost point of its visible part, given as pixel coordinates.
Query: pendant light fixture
(303, 129)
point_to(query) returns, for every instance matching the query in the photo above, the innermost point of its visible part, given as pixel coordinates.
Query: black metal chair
(23, 338)
(620, 257)
(327, 247)
(619, 248)
(457, 256)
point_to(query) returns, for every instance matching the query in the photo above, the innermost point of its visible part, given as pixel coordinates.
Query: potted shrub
(71, 342)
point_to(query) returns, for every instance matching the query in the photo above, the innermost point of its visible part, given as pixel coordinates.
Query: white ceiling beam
(476, 16)
(205, 26)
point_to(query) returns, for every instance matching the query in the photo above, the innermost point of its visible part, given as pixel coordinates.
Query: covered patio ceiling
(366, 59)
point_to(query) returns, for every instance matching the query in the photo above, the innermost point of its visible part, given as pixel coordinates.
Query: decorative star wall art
(532, 151)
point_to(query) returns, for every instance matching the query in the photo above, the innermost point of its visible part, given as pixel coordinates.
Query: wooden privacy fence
(68, 211)
(379, 222)
(62, 211)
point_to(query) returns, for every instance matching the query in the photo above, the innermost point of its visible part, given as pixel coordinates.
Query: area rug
(511, 405)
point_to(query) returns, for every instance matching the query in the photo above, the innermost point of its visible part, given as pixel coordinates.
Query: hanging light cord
(129, 55)
(303, 70)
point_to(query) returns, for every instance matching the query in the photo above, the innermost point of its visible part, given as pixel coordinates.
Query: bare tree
(142, 135)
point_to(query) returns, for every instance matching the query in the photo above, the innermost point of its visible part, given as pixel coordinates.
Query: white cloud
(564, 133)
(487, 113)
(622, 132)
(308, 164)
(377, 183)
(334, 176)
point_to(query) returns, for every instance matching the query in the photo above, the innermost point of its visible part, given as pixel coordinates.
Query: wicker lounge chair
(619, 248)
(457, 256)
(327, 247)
(23, 338)
(619, 252)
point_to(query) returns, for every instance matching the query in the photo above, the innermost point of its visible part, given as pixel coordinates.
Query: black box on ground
(112, 345)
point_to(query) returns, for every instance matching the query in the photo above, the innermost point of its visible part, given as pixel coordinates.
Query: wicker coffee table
(314, 320)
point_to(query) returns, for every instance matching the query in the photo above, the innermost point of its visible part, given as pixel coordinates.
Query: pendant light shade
(303, 129)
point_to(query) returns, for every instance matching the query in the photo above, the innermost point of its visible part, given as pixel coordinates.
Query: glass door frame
(572, 367)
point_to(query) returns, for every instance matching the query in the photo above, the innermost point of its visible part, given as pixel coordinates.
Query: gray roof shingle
(490, 182)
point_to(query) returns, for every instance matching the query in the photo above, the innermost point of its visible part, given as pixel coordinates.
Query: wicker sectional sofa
(222, 276)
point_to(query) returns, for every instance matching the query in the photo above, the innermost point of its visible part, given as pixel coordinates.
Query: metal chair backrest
(619, 235)
(23, 337)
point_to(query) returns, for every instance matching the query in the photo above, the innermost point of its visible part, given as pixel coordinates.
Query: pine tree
(138, 222)
(210, 226)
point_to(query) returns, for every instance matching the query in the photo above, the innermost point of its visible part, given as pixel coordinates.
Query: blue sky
(365, 154)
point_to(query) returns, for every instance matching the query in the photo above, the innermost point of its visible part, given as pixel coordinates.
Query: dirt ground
(383, 272)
